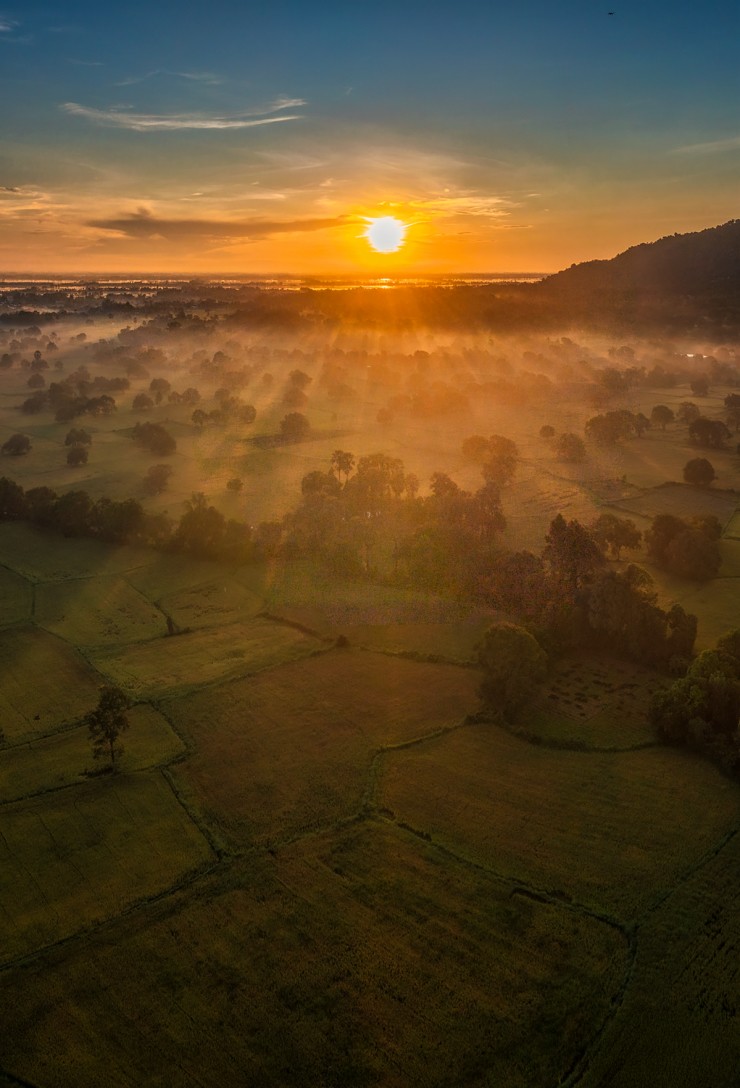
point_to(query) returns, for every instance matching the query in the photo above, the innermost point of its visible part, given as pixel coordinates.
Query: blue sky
(260, 137)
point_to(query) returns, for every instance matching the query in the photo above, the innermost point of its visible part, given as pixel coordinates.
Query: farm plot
(291, 748)
(611, 830)
(62, 759)
(222, 600)
(16, 596)
(200, 657)
(687, 949)
(453, 641)
(73, 858)
(365, 958)
(594, 703)
(97, 612)
(45, 683)
(682, 501)
(51, 557)
(310, 594)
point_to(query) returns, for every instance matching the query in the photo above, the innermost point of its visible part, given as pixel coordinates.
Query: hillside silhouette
(682, 280)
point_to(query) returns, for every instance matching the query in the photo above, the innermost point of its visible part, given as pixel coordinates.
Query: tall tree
(106, 723)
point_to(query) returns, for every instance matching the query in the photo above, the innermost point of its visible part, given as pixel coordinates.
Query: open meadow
(317, 865)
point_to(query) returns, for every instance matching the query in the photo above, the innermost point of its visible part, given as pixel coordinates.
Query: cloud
(197, 77)
(142, 224)
(7, 25)
(146, 122)
(731, 143)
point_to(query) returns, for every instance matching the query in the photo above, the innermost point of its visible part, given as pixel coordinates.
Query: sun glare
(387, 234)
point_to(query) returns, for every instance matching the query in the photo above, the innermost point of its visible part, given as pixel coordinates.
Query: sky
(264, 137)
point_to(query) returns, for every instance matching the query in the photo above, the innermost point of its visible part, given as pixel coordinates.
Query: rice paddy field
(315, 866)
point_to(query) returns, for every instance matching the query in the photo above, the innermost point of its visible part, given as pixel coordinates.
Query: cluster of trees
(365, 515)
(568, 597)
(201, 530)
(155, 438)
(701, 710)
(78, 394)
(689, 548)
(497, 456)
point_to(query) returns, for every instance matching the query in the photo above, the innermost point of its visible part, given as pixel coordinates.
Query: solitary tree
(699, 471)
(17, 445)
(294, 427)
(662, 415)
(76, 456)
(106, 723)
(570, 447)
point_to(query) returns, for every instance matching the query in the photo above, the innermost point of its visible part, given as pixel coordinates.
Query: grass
(354, 959)
(290, 749)
(97, 612)
(594, 703)
(75, 857)
(610, 830)
(16, 597)
(682, 501)
(688, 948)
(62, 759)
(452, 641)
(50, 557)
(221, 600)
(46, 683)
(169, 664)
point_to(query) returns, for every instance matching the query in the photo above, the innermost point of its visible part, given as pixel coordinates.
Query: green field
(352, 959)
(62, 759)
(73, 858)
(612, 830)
(46, 683)
(202, 657)
(291, 749)
(97, 612)
(16, 597)
(595, 703)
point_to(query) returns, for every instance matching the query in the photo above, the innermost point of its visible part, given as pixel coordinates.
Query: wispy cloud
(7, 26)
(196, 77)
(142, 224)
(731, 143)
(146, 122)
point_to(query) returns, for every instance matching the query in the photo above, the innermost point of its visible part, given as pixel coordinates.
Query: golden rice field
(290, 749)
(73, 858)
(63, 759)
(46, 683)
(353, 958)
(179, 662)
(611, 830)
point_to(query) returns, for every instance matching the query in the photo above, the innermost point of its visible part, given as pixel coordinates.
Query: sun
(386, 234)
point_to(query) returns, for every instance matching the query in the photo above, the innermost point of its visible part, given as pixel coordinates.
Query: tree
(17, 445)
(699, 386)
(236, 484)
(106, 723)
(142, 402)
(78, 436)
(692, 554)
(708, 432)
(608, 428)
(501, 459)
(513, 665)
(294, 427)
(76, 456)
(159, 387)
(615, 533)
(154, 437)
(570, 447)
(662, 415)
(547, 431)
(699, 471)
(156, 479)
(687, 412)
(571, 552)
(342, 462)
(475, 448)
